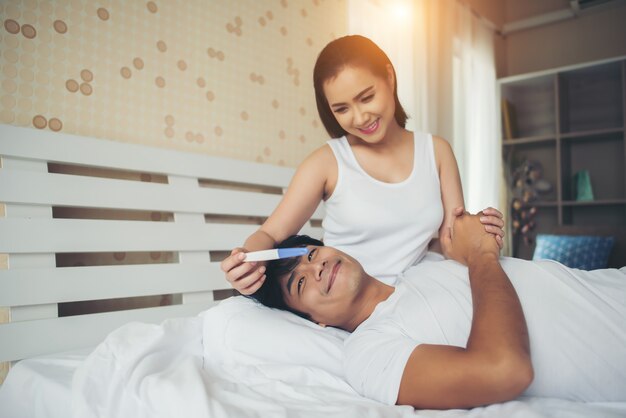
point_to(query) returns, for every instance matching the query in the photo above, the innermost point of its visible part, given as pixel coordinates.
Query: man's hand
(467, 239)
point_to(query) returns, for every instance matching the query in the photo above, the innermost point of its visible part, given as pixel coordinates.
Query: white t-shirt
(576, 321)
(365, 217)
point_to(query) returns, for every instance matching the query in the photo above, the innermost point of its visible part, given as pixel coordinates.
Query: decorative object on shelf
(509, 124)
(527, 185)
(582, 186)
(575, 251)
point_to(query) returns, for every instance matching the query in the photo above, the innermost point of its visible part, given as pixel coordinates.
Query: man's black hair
(271, 293)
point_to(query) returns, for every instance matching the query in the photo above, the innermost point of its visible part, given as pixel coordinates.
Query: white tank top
(385, 226)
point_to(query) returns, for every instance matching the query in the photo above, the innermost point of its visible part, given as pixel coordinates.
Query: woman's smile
(371, 128)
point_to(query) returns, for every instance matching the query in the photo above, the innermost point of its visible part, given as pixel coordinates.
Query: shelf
(541, 204)
(571, 121)
(603, 160)
(603, 202)
(565, 136)
(573, 203)
(595, 216)
(545, 204)
(595, 132)
(529, 140)
(591, 98)
(531, 106)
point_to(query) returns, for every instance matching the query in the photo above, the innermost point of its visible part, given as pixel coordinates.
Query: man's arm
(495, 366)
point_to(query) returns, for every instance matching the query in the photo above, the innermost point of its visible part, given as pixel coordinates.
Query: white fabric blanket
(144, 370)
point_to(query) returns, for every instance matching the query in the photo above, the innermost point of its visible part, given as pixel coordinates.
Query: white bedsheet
(144, 370)
(41, 386)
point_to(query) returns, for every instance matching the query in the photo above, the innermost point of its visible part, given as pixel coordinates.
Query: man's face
(324, 285)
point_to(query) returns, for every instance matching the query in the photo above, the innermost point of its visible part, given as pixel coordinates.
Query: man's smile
(333, 275)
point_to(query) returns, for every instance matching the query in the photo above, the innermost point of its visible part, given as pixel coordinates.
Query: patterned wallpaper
(228, 78)
(222, 77)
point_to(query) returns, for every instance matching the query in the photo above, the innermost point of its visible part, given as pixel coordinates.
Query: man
(439, 340)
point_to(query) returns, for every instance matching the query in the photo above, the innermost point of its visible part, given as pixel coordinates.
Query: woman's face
(362, 102)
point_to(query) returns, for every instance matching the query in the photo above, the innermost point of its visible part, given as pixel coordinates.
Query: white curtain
(390, 25)
(444, 58)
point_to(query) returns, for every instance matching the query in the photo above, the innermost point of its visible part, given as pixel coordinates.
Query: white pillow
(242, 331)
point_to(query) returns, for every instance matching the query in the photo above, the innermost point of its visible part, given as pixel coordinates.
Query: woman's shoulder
(439, 141)
(441, 147)
(426, 137)
(324, 152)
(320, 158)
(320, 167)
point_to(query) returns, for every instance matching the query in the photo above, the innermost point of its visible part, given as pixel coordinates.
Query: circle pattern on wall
(215, 77)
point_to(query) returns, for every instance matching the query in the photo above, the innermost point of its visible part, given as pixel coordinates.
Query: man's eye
(300, 283)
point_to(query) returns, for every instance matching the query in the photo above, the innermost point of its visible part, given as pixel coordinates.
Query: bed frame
(213, 205)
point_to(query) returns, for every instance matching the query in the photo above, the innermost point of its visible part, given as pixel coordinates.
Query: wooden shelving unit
(570, 119)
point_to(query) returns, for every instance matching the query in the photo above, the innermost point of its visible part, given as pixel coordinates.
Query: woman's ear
(391, 77)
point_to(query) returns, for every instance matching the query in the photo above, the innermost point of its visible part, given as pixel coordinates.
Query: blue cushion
(575, 251)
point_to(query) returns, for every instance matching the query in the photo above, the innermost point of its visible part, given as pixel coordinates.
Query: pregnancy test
(275, 254)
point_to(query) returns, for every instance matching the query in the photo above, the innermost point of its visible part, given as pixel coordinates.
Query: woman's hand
(493, 221)
(491, 218)
(246, 278)
(445, 234)
(467, 239)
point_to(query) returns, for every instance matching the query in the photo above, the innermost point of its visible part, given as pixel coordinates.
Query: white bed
(196, 358)
(158, 371)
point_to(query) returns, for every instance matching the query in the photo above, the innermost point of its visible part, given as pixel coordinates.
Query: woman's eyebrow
(357, 97)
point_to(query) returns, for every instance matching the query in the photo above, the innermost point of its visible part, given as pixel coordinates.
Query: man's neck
(372, 294)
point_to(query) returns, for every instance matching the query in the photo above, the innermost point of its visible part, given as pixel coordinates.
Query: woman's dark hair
(271, 293)
(352, 50)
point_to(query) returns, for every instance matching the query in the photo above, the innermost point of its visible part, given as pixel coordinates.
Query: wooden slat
(35, 286)
(319, 212)
(24, 339)
(63, 148)
(39, 260)
(22, 236)
(79, 235)
(24, 187)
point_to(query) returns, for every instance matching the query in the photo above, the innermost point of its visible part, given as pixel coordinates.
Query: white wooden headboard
(33, 285)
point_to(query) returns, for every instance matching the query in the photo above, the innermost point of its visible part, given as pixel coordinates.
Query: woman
(387, 191)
